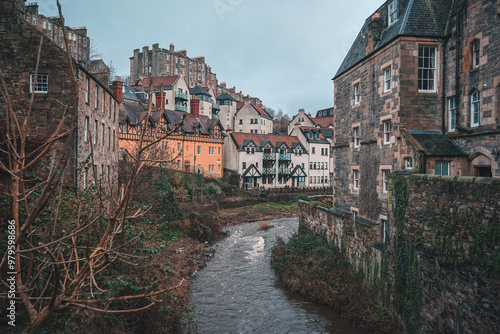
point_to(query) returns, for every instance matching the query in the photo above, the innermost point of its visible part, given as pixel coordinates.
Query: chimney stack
(195, 107)
(118, 88)
(172, 47)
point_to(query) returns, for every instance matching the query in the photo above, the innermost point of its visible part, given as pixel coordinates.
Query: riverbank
(319, 272)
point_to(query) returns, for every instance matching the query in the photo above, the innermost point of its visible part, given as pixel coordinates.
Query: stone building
(159, 61)
(395, 106)
(168, 92)
(91, 105)
(187, 141)
(78, 41)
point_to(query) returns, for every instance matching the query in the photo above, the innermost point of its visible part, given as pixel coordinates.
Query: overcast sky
(283, 51)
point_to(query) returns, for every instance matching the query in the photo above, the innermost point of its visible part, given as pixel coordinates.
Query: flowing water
(238, 292)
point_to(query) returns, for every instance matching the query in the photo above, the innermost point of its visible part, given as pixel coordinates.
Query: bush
(211, 191)
(204, 226)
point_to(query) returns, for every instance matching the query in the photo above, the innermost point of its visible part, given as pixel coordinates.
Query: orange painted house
(194, 142)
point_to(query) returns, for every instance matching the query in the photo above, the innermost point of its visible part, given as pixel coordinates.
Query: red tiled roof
(168, 80)
(324, 122)
(261, 111)
(239, 137)
(239, 105)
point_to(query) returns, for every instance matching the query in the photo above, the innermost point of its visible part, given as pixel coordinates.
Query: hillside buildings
(90, 105)
(78, 41)
(416, 94)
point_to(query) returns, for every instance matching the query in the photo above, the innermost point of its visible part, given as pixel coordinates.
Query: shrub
(211, 191)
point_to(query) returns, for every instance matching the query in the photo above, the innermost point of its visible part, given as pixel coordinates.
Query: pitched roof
(198, 90)
(323, 122)
(320, 139)
(225, 96)
(422, 18)
(239, 138)
(165, 81)
(434, 143)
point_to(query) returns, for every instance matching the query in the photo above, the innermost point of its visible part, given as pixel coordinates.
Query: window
(122, 152)
(96, 97)
(34, 20)
(313, 150)
(475, 53)
(384, 229)
(442, 168)
(178, 147)
(356, 136)
(41, 85)
(86, 130)
(387, 79)
(408, 163)
(218, 169)
(199, 150)
(87, 90)
(109, 137)
(244, 165)
(44, 25)
(393, 12)
(50, 25)
(178, 164)
(452, 114)
(102, 134)
(427, 68)
(355, 179)
(356, 94)
(385, 181)
(219, 150)
(114, 138)
(474, 109)
(241, 122)
(94, 141)
(125, 127)
(387, 132)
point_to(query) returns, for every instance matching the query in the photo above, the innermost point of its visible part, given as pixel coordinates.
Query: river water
(238, 292)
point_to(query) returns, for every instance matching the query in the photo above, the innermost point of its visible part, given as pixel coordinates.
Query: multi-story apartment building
(90, 104)
(168, 92)
(275, 161)
(252, 118)
(208, 106)
(189, 142)
(159, 62)
(78, 41)
(415, 94)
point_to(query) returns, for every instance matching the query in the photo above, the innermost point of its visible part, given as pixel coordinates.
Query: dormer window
(393, 12)
(475, 53)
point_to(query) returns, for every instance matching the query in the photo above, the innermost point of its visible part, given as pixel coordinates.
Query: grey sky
(284, 52)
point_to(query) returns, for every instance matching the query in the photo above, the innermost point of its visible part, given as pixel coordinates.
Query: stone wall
(439, 267)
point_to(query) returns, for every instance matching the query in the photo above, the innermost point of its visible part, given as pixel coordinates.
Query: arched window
(474, 109)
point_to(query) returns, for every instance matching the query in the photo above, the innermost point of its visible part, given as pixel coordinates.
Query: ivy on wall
(369, 205)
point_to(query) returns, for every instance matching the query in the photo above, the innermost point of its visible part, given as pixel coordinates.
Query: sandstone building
(78, 41)
(415, 94)
(91, 105)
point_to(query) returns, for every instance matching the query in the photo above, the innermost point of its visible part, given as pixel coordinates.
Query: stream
(238, 292)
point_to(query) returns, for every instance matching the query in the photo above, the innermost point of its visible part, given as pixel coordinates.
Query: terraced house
(417, 91)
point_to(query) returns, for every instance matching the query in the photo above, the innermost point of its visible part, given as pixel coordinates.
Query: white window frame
(87, 90)
(441, 164)
(125, 128)
(408, 163)
(94, 140)
(385, 180)
(41, 85)
(452, 110)
(475, 108)
(392, 12)
(356, 137)
(476, 48)
(86, 130)
(355, 179)
(357, 96)
(387, 79)
(387, 131)
(427, 74)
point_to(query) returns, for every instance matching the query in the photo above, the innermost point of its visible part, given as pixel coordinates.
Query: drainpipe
(457, 68)
(443, 95)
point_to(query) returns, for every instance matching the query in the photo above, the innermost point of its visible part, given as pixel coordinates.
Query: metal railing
(180, 107)
(181, 95)
(284, 170)
(285, 157)
(268, 156)
(215, 106)
(269, 171)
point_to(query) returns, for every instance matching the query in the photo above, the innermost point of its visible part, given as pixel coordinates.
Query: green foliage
(212, 191)
(166, 197)
(301, 197)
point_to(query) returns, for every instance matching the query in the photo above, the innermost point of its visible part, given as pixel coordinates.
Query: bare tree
(63, 243)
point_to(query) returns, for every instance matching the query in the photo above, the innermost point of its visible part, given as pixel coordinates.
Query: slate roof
(239, 139)
(226, 96)
(434, 143)
(314, 131)
(198, 90)
(421, 18)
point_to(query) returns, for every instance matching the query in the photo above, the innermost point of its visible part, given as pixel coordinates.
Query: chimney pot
(195, 107)
(118, 89)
